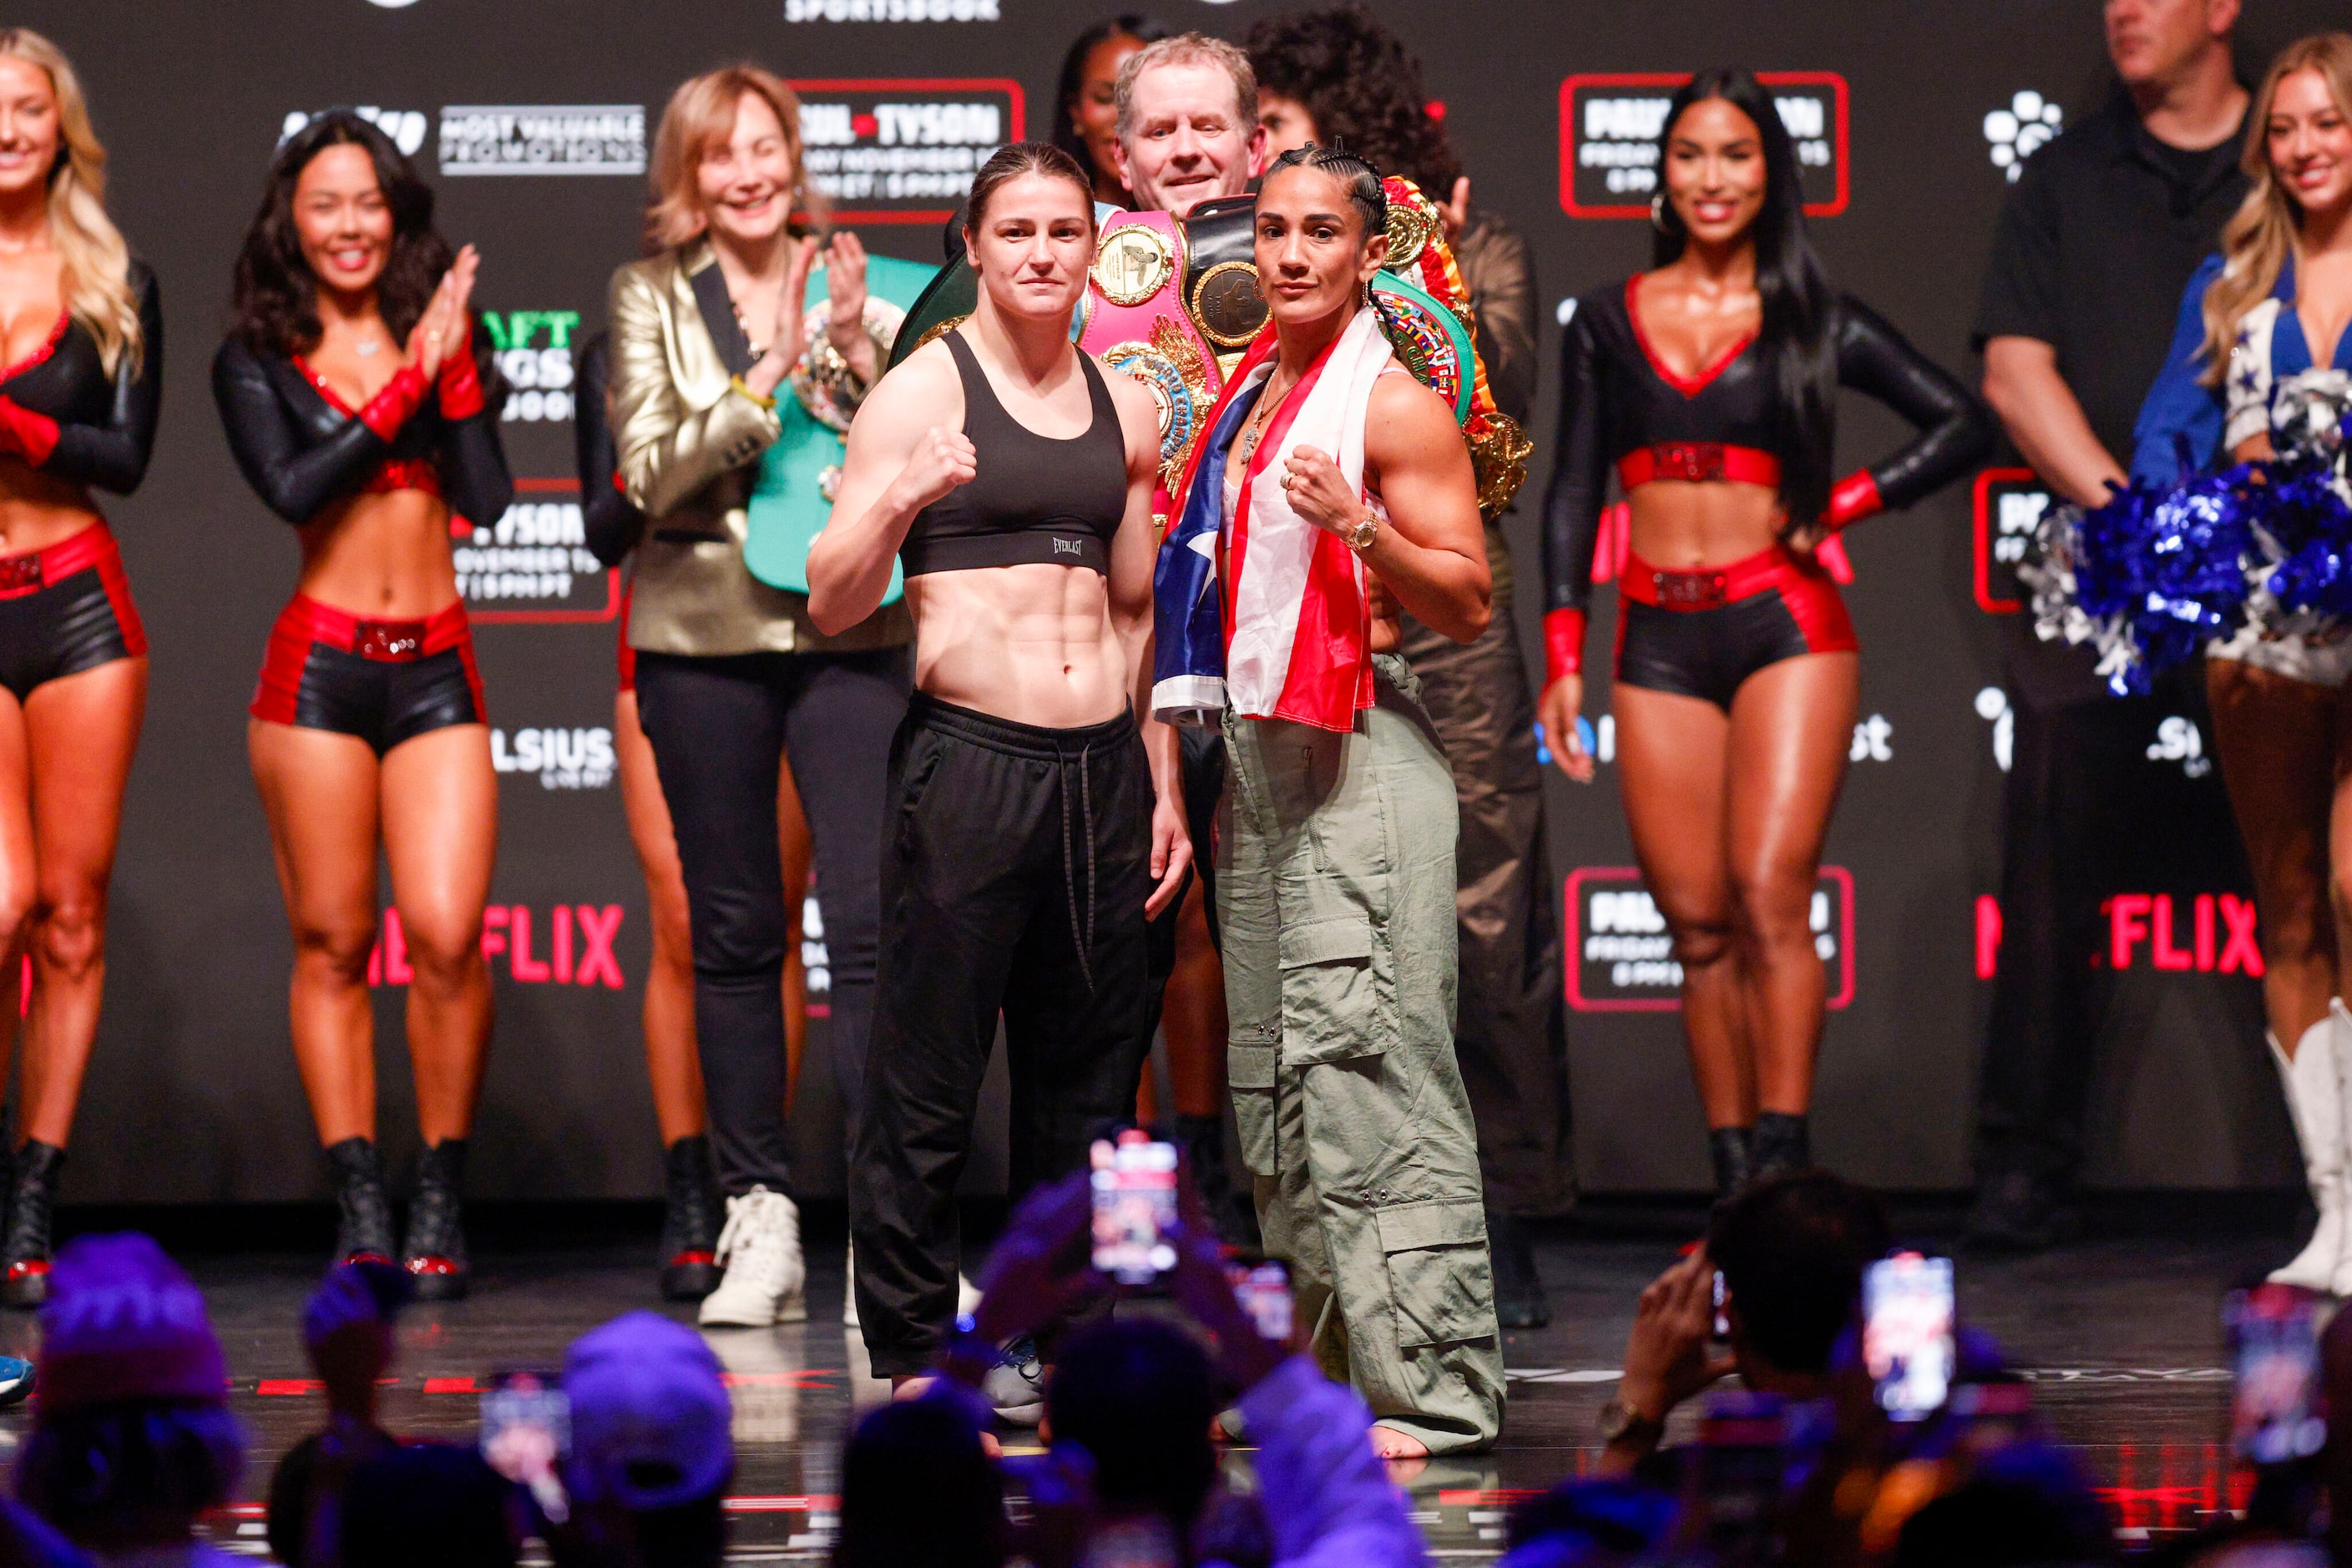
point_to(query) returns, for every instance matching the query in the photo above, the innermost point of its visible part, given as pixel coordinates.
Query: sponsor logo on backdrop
(2010, 504)
(1610, 125)
(534, 351)
(570, 944)
(2183, 933)
(562, 759)
(543, 138)
(890, 10)
(815, 964)
(903, 150)
(1874, 740)
(1992, 707)
(534, 563)
(404, 126)
(2013, 134)
(1623, 961)
(2177, 739)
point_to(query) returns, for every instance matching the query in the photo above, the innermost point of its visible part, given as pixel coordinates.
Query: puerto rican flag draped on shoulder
(1291, 635)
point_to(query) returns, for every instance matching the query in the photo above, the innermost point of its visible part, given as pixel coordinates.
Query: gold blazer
(689, 444)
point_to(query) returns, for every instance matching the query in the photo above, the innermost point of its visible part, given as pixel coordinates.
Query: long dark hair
(1799, 303)
(275, 306)
(1361, 86)
(1126, 25)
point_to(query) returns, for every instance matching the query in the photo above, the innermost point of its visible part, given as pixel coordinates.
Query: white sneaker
(967, 1293)
(766, 1280)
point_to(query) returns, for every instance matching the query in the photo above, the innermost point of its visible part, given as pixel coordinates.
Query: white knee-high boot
(2340, 1021)
(2314, 1087)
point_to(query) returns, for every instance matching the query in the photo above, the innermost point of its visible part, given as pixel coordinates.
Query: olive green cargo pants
(1335, 893)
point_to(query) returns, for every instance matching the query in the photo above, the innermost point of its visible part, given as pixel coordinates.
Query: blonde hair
(94, 261)
(2260, 235)
(1187, 49)
(700, 113)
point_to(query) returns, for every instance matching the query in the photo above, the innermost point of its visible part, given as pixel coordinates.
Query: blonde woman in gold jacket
(733, 676)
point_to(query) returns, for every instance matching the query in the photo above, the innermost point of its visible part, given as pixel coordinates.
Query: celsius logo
(573, 946)
(549, 139)
(535, 356)
(1624, 960)
(1610, 125)
(2010, 504)
(404, 126)
(2014, 134)
(890, 10)
(563, 759)
(904, 150)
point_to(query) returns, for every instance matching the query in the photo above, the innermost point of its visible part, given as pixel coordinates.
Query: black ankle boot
(25, 1260)
(1782, 1144)
(435, 1251)
(1234, 1213)
(364, 1215)
(1518, 1289)
(1734, 1159)
(689, 1243)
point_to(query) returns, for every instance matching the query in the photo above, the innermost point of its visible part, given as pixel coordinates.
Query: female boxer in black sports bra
(1710, 384)
(1029, 836)
(352, 387)
(81, 334)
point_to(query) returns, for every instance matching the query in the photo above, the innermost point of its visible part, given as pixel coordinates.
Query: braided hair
(1366, 193)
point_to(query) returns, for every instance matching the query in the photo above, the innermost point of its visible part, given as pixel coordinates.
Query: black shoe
(1518, 1289)
(1782, 1144)
(1203, 1139)
(2018, 1212)
(435, 1251)
(689, 1243)
(364, 1215)
(1731, 1147)
(32, 1204)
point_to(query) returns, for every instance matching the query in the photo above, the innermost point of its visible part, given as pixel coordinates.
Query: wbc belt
(1136, 323)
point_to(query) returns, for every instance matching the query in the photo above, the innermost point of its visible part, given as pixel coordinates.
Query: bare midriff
(1034, 644)
(380, 554)
(1684, 524)
(39, 509)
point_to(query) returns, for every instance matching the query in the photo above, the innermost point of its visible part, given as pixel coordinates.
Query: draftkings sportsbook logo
(1610, 125)
(1623, 961)
(890, 10)
(543, 138)
(534, 349)
(892, 151)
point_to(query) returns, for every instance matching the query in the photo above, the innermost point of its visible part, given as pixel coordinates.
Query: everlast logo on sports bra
(1068, 547)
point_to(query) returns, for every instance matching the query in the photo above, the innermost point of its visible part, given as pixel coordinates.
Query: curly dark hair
(273, 307)
(1361, 86)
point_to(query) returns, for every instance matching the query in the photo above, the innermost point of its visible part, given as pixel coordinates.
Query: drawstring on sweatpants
(1083, 936)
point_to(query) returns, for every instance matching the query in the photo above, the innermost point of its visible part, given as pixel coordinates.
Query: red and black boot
(435, 1252)
(363, 1213)
(32, 1204)
(690, 1244)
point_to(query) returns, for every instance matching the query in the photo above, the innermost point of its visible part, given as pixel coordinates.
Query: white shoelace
(758, 1227)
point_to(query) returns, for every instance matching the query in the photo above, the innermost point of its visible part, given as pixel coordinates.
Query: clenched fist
(941, 461)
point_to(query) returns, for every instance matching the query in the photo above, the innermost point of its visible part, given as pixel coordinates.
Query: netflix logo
(573, 946)
(2201, 933)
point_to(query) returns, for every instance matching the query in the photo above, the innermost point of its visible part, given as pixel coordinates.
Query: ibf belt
(1136, 323)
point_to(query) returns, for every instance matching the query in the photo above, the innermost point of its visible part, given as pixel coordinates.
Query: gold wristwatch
(1360, 538)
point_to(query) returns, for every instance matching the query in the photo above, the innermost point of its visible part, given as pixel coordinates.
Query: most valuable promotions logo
(2014, 134)
(887, 150)
(543, 138)
(404, 126)
(1623, 961)
(1610, 125)
(534, 563)
(890, 10)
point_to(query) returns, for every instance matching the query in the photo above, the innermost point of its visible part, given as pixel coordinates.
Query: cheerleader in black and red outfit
(83, 343)
(1710, 384)
(352, 392)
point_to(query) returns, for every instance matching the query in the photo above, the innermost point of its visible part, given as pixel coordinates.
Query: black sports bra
(1034, 498)
(88, 426)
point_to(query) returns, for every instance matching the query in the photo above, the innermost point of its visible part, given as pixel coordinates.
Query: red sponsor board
(1610, 123)
(904, 149)
(1623, 961)
(533, 566)
(2009, 506)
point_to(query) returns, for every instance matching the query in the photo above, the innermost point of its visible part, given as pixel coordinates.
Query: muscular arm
(1132, 556)
(2040, 413)
(895, 446)
(1431, 553)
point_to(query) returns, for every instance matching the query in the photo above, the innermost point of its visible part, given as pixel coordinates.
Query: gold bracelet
(735, 383)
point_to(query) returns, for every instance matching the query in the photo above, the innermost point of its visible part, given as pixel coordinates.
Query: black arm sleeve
(294, 483)
(474, 476)
(1956, 429)
(613, 525)
(1579, 475)
(113, 456)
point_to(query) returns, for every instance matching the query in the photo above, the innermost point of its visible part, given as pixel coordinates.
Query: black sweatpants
(721, 728)
(1014, 870)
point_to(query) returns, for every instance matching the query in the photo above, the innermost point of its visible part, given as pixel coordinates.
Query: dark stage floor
(2121, 1335)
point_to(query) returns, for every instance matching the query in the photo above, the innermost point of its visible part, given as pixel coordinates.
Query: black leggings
(719, 728)
(1014, 880)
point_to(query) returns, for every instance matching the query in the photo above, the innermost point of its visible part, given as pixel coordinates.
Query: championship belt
(1135, 323)
(791, 494)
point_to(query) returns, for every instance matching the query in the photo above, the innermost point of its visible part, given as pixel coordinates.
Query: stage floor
(2121, 1338)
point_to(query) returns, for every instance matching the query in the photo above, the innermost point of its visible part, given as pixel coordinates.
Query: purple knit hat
(124, 1323)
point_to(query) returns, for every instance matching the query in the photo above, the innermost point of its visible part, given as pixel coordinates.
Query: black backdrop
(530, 116)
